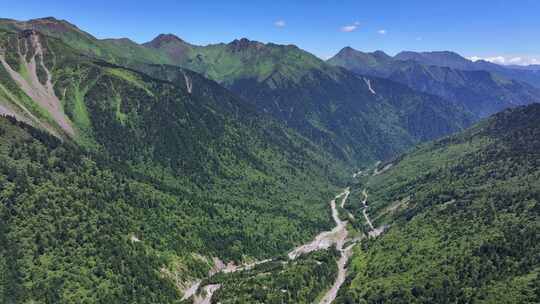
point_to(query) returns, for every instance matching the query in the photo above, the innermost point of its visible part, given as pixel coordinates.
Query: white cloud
(418, 38)
(507, 60)
(280, 23)
(382, 32)
(494, 59)
(515, 60)
(474, 58)
(350, 28)
(497, 59)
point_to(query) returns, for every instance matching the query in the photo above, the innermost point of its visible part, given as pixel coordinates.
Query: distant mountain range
(527, 74)
(482, 88)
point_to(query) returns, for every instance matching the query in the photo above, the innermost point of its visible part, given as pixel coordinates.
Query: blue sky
(496, 29)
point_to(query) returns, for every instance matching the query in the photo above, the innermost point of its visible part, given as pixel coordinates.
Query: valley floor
(339, 236)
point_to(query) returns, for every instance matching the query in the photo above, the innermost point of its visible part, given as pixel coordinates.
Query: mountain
(120, 51)
(119, 187)
(174, 47)
(438, 58)
(456, 61)
(462, 216)
(480, 92)
(361, 62)
(331, 106)
(357, 118)
(532, 67)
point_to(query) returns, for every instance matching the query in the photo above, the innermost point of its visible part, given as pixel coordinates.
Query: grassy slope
(120, 51)
(465, 220)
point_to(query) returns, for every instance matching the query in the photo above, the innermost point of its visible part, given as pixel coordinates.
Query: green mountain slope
(331, 106)
(480, 92)
(145, 181)
(464, 220)
(120, 51)
(358, 119)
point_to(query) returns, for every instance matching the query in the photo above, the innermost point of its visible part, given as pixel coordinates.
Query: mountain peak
(437, 58)
(52, 23)
(173, 46)
(47, 25)
(164, 39)
(348, 57)
(244, 43)
(347, 51)
(50, 18)
(125, 41)
(381, 54)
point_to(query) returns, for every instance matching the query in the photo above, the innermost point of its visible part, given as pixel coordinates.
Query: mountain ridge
(292, 84)
(481, 92)
(298, 89)
(454, 60)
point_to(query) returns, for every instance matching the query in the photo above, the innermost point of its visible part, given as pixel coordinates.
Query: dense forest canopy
(464, 216)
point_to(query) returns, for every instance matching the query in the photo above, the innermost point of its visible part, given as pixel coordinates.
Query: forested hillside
(464, 220)
(143, 181)
(358, 119)
(299, 281)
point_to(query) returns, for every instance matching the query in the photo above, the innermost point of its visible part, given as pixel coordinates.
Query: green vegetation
(119, 51)
(245, 59)
(169, 169)
(158, 181)
(464, 215)
(65, 223)
(299, 281)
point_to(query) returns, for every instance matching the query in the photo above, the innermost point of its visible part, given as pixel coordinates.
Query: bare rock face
(37, 85)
